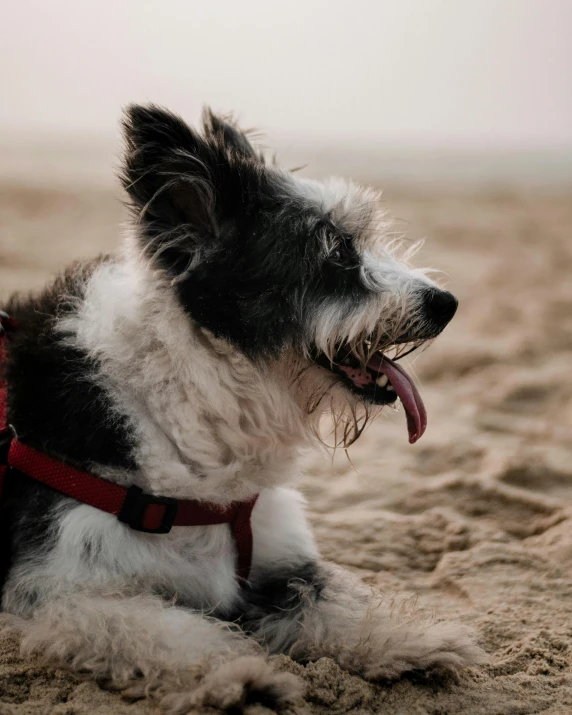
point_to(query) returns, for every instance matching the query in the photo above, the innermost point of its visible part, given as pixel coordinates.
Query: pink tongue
(407, 393)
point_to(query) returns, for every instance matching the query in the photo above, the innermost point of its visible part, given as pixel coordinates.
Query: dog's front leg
(321, 610)
(295, 604)
(144, 646)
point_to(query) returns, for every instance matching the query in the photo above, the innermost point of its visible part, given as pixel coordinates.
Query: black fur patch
(277, 591)
(56, 408)
(247, 250)
(53, 402)
(27, 525)
(280, 596)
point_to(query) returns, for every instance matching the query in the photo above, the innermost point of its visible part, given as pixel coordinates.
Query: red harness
(140, 511)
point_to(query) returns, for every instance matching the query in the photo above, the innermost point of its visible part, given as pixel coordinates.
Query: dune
(475, 519)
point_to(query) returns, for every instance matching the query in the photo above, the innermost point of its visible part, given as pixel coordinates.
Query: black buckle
(134, 507)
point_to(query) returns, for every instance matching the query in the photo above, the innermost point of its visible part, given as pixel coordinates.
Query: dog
(245, 305)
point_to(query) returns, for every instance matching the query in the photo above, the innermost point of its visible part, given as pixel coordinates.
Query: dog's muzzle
(379, 379)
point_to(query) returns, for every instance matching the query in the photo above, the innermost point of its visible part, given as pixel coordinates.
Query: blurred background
(461, 110)
(408, 90)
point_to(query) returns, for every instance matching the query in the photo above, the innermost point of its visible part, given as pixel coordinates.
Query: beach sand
(476, 519)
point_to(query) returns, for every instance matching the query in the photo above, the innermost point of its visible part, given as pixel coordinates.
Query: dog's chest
(194, 565)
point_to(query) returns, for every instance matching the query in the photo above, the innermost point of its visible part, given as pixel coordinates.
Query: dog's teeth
(382, 381)
(390, 388)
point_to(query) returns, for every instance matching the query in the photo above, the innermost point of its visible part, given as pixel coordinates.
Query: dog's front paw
(234, 684)
(441, 646)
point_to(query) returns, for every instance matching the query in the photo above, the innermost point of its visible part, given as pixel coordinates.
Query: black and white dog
(245, 305)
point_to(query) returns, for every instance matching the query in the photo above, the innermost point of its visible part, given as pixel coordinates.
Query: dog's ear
(170, 173)
(225, 132)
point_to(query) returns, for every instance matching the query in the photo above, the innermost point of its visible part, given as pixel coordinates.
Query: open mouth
(381, 381)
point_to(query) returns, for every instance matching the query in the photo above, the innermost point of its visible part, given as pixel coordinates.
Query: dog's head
(290, 271)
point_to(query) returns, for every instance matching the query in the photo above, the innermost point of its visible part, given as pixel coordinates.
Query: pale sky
(490, 73)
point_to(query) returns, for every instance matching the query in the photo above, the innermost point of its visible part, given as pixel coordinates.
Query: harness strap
(141, 511)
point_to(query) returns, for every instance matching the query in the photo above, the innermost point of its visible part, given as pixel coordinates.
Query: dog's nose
(440, 306)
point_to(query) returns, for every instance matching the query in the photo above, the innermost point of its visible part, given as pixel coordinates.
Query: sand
(476, 518)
